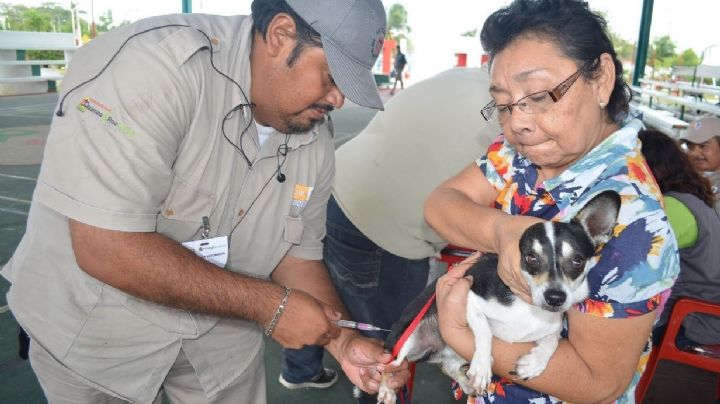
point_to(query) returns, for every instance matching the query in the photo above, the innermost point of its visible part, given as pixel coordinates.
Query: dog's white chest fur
(517, 322)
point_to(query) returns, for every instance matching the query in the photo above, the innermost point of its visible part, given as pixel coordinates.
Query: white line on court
(26, 108)
(18, 177)
(5, 308)
(7, 198)
(13, 211)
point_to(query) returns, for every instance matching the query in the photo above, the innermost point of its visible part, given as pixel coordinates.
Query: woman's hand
(507, 244)
(451, 294)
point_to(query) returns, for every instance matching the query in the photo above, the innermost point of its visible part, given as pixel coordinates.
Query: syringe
(357, 326)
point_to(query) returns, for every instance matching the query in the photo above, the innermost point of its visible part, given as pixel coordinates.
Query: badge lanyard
(213, 250)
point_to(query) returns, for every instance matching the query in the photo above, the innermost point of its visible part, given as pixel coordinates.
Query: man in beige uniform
(155, 144)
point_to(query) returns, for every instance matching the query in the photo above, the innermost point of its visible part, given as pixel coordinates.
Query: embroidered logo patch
(376, 45)
(301, 195)
(104, 113)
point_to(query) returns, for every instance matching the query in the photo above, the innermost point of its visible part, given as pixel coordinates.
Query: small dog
(553, 261)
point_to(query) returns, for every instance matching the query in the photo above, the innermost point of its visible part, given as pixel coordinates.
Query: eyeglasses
(535, 103)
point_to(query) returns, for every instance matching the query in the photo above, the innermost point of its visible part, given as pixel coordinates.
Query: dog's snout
(555, 297)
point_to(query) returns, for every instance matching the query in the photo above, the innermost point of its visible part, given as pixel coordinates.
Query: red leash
(404, 337)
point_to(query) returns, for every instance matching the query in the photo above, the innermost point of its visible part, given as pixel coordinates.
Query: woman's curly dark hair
(578, 32)
(672, 168)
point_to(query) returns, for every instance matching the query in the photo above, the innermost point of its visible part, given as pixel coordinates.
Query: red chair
(701, 356)
(453, 254)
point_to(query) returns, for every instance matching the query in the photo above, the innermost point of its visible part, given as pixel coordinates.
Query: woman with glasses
(560, 99)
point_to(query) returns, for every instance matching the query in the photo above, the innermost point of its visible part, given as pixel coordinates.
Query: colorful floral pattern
(632, 274)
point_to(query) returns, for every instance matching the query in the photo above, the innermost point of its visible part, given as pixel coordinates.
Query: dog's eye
(532, 260)
(578, 263)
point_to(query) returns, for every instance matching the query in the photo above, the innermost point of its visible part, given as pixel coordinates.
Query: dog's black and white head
(554, 255)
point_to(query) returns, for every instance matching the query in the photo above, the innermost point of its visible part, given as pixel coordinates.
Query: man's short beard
(294, 128)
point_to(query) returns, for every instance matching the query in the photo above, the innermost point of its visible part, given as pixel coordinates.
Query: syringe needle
(358, 326)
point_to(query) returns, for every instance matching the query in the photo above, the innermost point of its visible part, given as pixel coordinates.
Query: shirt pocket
(293, 229)
(182, 212)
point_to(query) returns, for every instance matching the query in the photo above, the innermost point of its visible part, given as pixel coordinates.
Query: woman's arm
(594, 364)
(461, 211)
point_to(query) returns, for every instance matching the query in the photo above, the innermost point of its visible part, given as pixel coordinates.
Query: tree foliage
(687, 58)
(662, 53)
(49, 17)
(397, 25)
(472, 33)
(624, 48)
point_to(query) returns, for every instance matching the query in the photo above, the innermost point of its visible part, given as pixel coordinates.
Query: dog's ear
(599, 216)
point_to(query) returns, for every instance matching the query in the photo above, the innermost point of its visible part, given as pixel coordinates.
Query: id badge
(213, 250)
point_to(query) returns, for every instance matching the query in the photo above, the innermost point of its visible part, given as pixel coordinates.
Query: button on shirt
(141, 149)
(633, 273)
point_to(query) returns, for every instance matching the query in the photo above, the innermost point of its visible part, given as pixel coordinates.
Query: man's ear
(281, 33)
(599, 216)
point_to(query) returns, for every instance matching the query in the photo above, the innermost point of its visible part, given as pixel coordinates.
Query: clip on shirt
(213, 250)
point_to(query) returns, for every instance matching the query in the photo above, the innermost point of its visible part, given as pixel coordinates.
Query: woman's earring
(602, 105)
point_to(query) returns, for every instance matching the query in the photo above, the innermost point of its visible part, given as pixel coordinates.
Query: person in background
(689, 206)
(561, 101)
(398, 69)
(702, 140)
(377, 244)
(180, 208)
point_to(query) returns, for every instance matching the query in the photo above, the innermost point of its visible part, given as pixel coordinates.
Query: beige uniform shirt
(424, 137)
(141, 149)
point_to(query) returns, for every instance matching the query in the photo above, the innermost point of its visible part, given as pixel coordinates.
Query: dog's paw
(480, 373)
(386, 396)
(464, 383)
(530, 365)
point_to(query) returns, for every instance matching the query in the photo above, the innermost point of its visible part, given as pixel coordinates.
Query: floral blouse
(634, 271)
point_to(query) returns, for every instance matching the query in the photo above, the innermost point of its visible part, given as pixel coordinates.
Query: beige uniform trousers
(181, 385)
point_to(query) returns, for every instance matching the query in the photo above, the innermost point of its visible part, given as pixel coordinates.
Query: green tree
(48, 17)
(105, 21)
(624, 48)
(397, 26)
(59, 16)
(472, 33)
(687, 58)
(662, 53)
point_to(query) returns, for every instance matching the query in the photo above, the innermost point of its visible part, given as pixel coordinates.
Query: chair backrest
(668, 350)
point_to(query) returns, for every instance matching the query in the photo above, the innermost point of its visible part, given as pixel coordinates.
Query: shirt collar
(571, 183)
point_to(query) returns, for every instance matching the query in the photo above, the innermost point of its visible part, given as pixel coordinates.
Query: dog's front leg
(480, 371)
(412, 347)
(534, 362)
